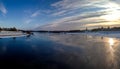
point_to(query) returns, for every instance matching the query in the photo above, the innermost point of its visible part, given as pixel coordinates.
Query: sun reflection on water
(111, 41)
(112, 56)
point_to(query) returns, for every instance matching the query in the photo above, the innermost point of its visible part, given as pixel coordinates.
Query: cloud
(77, 14)
(116, 1)
(64, 7)
(2, 8)
(27, 21)
(73, 22)
(30, 16)
(36, 13)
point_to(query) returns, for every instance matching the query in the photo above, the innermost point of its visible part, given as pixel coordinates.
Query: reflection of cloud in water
(74, 39)
(95, 52)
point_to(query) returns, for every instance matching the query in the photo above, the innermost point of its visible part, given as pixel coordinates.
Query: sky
(59, 14)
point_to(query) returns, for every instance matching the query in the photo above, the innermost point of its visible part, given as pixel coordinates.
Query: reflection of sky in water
(73, 50)
(97, 51)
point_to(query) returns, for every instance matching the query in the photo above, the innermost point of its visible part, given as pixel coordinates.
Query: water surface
(60, 51)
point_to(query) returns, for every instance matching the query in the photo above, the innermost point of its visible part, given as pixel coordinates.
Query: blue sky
(59, 14)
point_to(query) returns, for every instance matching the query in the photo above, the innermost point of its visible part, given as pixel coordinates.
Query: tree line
(8, 29)
(106, 29)
(89, 30)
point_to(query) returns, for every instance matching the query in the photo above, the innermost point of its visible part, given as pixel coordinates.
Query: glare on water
(111, 41)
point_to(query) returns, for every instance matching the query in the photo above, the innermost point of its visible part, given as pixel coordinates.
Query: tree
(13, 29)
(102, 28)
(0, 29)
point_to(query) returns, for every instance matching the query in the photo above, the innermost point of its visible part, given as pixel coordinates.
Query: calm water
(60, 51)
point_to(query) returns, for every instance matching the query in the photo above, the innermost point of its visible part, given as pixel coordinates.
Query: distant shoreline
(8, 34)
(110, 34)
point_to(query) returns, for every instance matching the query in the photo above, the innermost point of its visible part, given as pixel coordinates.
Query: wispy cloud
(30, 16)
(28, 21)
(64, 7)
(77, 14)
(73, 22)
(36, 13)
(2, 8)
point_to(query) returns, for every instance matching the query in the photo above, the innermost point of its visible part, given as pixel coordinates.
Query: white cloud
(27, 21)
(76, 14)
(35, 13)
(116, 1)
(2, 8)
(59, 13)
(64, 7)
(30, 16)
(73, 22)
